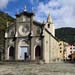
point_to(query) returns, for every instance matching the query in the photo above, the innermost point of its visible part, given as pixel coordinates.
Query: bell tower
(50, 26)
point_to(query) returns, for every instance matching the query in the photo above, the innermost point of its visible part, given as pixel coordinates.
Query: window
(60, 51)
(48, 25)
(70, 48)
(60, 47)
(73, 48)
(70, 51)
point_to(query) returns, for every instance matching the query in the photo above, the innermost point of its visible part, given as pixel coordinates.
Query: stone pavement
(37, 69)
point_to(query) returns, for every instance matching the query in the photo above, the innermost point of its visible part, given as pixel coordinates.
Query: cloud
(62, 12)
(4, 3)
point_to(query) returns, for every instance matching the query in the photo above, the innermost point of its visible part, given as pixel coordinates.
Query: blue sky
(61, 11)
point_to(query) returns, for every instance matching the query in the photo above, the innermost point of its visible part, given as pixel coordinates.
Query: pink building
(69, 49)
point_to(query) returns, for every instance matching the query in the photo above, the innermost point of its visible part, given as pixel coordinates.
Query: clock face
(24, 30)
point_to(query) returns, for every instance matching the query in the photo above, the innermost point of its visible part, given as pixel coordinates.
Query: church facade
(27, 39)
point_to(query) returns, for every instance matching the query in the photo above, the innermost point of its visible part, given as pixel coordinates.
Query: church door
(38, 52)
(24, 53)
(11, 53)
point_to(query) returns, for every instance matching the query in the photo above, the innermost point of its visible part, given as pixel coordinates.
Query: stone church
(27, 39)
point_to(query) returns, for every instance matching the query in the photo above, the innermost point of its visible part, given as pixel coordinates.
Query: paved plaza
(36, 69)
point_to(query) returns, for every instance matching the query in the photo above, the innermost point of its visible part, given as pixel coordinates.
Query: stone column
(16, 49)
(32, 50)
(6, 54)
(6, 50)
(33, 54)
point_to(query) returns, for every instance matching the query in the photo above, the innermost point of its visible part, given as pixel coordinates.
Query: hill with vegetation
(4, 18)
(66, 34)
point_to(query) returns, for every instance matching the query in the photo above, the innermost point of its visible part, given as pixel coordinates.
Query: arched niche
(38, 52)
(11, 53)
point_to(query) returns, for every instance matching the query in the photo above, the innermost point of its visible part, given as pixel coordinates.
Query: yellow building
(61, 50)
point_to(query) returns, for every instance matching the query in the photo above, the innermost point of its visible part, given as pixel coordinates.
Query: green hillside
(66, 34)
(4, 18)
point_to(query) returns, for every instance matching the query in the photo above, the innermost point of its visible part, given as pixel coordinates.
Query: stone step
(21, 62)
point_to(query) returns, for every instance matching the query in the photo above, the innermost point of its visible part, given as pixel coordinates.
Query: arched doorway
(38, 52)
(11, 53)
(23, 50)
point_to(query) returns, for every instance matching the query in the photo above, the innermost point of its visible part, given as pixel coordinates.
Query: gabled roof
(38, 23)
(51, 34)
(29, 14)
